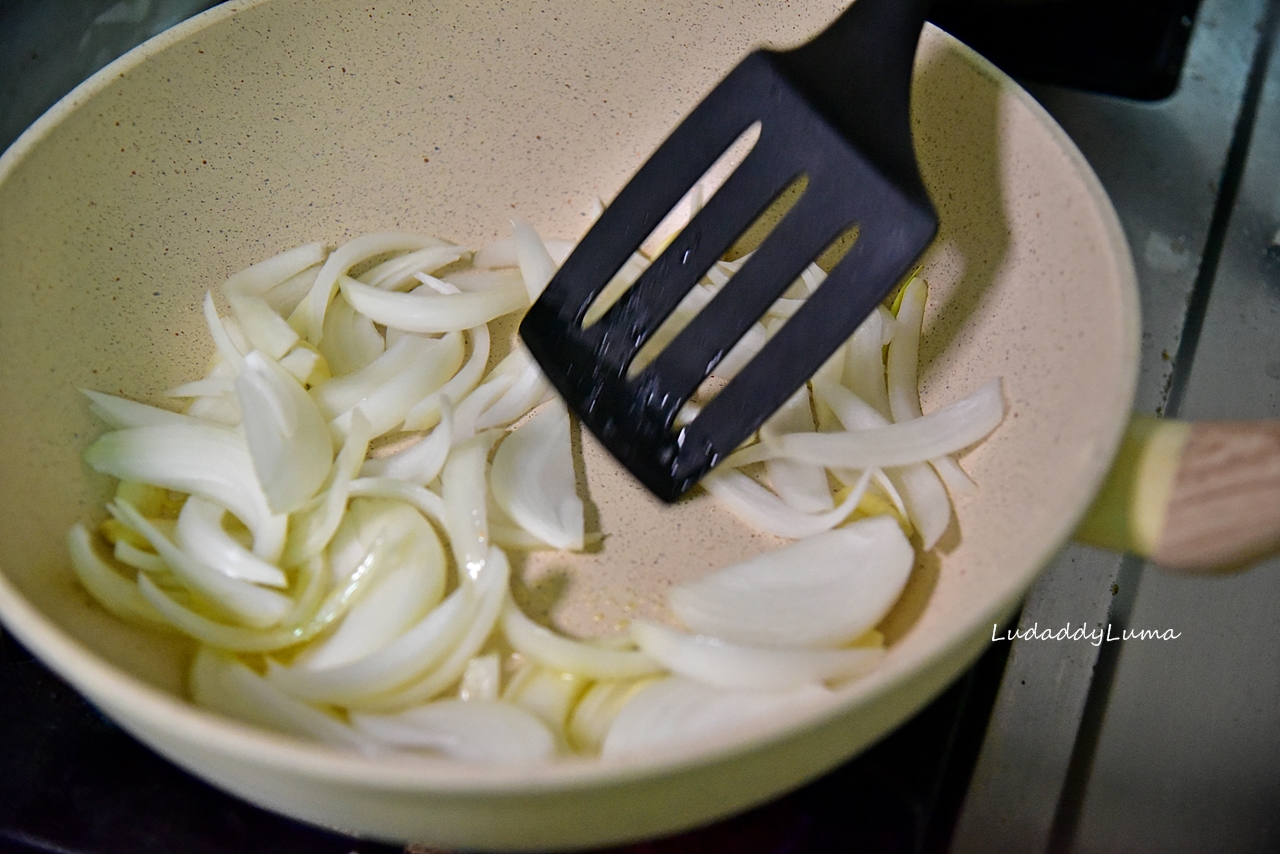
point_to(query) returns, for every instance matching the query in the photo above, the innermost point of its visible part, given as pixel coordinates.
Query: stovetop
(1041, 746)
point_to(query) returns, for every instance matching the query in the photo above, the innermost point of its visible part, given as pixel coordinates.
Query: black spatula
(834, 111)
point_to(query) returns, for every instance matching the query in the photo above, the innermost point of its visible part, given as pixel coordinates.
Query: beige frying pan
(263, 125)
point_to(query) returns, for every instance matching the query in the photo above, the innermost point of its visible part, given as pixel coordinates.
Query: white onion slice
(130, 555)
(199, 532)
(476, 731)
(944, 431)
(399, 597)
(119, 412)
(502, 253)
(426, 413)
(801, 485)
(312, 309)
(490, 586)
(923, 498)
(113, 591)
(247, 603)
(415, 652)
(863, 370)
(260, 278)
(529, 389)
(351, 340)
(730, 665)
(387, 406)
(758, 506)
(311, 529)
(393, 274)
(825, 590)
(424, 500)
(463, 487)
(428, 311)
(534, 481)
(420, 462)
(315, 608)
(679, 712)
(596, 711)
(569, 655)
(196, 458)
(549, 694)
(263, 328)
(225, 685)
(228, 350)
(285, 432)
(533, 258)
(348, 390)
(902, 376)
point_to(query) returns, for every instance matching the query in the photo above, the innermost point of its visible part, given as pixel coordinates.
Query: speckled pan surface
(259, 126)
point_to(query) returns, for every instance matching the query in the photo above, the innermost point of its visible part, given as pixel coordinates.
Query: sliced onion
(112, 591)
(391, 275)
(502, 253)
(199, 532)
(825, 590)
(534, 259)
(424, 500)
(263, 328)
(426, 413)
(410, 586)
(420, 462)
(801, 485)
(387, 406)
(287, 437)
(260, 278)
(903, 379)
(549, 694)
(348, 390)
(596, 710)
(482, 680)
(534, 481)
(463, 487)
(350, 341)
(247, 603)
(229, 350)
(119, 412)
(312, 528)
(343, 258)
(923, 498)
(679, 712)
(758, 506)
(417, 651)
(429, 311)
(225, 685)
(490, 586)
(864, 372)
(476, 731)
(317, 606)
(569, 655)
(196, 458)
(943, 431)
(730, 665)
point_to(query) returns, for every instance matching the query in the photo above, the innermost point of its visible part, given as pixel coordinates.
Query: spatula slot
(674, 222)
(717, 277)
(770, 324)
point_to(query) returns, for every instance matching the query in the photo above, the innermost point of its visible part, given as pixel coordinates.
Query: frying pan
(258, 126)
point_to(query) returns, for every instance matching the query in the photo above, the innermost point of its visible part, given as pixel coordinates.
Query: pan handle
(1193, 497)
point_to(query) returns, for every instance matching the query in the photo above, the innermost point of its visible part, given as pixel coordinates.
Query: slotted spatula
(834, 111)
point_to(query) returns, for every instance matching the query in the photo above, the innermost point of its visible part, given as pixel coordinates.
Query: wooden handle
(1225, 506)
(1201, 497)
